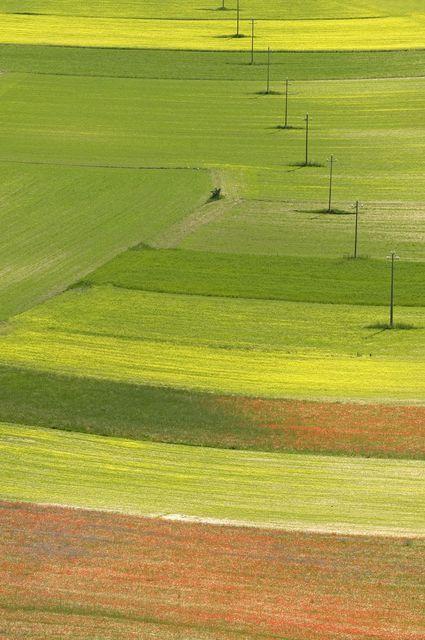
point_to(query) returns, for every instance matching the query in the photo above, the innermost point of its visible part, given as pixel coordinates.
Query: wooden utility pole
(307, 134)
(268, 71)
(285, 126)
(393, 257)
(331, 173)
(356, 229)
(238, 18)
(252, 39)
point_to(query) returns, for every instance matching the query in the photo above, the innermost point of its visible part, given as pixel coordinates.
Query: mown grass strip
(303, 279)
(280, 490)
(199, 65)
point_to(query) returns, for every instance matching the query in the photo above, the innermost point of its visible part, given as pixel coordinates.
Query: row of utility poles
(393, 257)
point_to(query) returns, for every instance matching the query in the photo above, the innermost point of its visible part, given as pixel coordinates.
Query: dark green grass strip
(342, 281)
(200, 65)
(118, 409)
(183, 417)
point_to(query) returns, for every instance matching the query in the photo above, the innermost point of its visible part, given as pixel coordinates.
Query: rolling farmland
(210, 425)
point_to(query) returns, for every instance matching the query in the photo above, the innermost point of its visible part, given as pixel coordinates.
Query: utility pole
(331, 175)
(268, 71)
(223, 5)
(357, 206)
(252, 39)
(393, 257)
(285, 126)
(238, 18)
(307, 133)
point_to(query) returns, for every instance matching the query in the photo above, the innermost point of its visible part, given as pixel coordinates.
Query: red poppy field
(84, 575)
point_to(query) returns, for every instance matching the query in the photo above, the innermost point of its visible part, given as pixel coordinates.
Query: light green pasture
(244, 347)
(279, 490)
(301, 229)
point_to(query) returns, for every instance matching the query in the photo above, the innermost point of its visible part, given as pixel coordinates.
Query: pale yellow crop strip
(350, 495)
(389, 33)
(270, 374)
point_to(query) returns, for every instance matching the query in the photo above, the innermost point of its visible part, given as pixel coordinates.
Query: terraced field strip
(303, 229)
(201, 65)
(153, 579)
(291, 278)
(380, 33)
(160, 340)
(317, 493)
(228, 323)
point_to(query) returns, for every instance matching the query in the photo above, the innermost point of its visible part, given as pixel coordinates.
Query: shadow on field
(399, 326)
(332, 212)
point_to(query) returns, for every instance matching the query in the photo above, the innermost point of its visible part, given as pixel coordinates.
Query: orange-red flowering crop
(85, 575)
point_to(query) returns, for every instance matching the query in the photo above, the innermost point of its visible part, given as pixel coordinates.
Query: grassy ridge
(258, 488)
(61, 222)
(176, 416)
(189, 65)
(376, 33)
(361, 282)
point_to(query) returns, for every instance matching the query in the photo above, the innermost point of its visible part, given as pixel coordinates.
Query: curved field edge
(181, 417)
(387, 33)
(160, 579)
(189, 65)
(259, 489)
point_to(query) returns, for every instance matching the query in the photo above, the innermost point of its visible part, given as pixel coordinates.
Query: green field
(360, 282)
(201, 65)
(297, 229)
(228, 127)
(302, 492)
(61, 222)
(262, 325)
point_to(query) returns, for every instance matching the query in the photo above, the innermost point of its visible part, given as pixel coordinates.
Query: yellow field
(388, 32)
